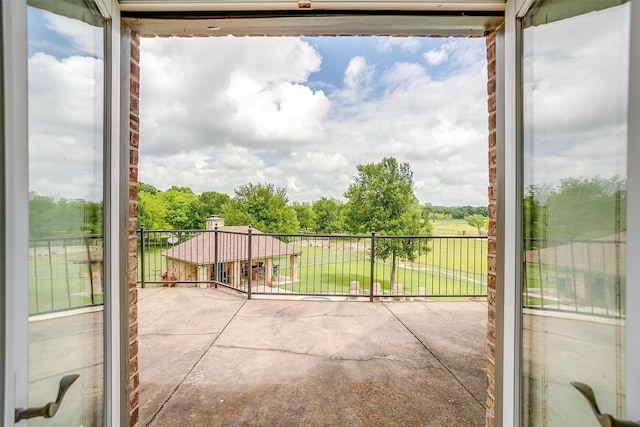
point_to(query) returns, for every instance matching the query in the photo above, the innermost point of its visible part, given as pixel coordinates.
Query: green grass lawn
(445, 270)
(155, 264)
(453, 226)
(450, 267)
(58, 283)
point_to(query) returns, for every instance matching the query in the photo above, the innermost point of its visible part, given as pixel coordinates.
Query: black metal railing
(578, 276)
(65, 273)
(365, 266)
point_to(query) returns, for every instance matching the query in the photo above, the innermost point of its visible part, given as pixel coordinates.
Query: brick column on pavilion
(491, 261)
(134, 135)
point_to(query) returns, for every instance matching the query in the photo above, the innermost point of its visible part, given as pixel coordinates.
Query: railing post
(250, 269)
(373, 264)
(142, 255)
(215, 255)
(86, 242)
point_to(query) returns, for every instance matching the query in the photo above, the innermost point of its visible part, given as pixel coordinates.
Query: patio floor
(212, 357)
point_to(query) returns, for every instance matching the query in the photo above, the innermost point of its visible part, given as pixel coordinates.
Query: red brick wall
(134, 129)
(491, 279)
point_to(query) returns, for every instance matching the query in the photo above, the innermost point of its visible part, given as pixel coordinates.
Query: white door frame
(115, 224)
(633, 226)
(15, 231)
(509, 298)
(14, 58)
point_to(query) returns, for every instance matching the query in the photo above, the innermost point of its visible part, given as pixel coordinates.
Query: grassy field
(56, 282)
(453, 227)
(450, 267)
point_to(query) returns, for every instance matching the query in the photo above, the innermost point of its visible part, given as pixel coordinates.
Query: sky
(302, 113)
(65, 107)
(575, 97)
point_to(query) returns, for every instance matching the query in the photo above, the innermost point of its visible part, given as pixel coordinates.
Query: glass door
(66, 146)
(575, 78)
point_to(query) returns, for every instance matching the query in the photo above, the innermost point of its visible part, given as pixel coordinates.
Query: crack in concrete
(346, 316)
(147, 294)
(175, 389)
(298, 353)
(444, 366)
(178, 334)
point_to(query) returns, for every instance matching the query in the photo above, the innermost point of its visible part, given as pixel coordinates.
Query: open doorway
(358, 69)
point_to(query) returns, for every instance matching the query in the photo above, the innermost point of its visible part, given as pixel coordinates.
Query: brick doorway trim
(134, 138)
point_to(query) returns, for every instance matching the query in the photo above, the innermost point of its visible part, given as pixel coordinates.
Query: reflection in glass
(66, 95)
(574, 210)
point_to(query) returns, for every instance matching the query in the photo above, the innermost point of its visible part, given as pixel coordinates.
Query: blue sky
(302, 113)
(61, 37)
(65, 107)
(336, 53)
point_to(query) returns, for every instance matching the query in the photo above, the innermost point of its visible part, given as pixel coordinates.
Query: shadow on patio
(212, 357)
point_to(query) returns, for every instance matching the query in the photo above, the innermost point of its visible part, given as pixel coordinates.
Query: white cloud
(358, 72)
(575, 97)
(86, 38)
(435, 56)
(405, 44)
(65, 126)
(246, 114)
(438, 126)
(198, 92)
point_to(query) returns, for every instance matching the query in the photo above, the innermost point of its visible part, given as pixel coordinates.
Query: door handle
(50, 409)
(605, 420)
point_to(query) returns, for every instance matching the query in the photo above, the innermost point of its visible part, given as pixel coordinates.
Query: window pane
(575, 76)
(66, 144)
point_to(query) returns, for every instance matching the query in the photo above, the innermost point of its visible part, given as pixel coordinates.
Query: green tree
(480, 210)
(204, 206)
(441, 216)
(93, 217)
(147, 188)
(576, 208)
(151, 210)
(212, 202)
(186, 190)
(329, 215)
(41, 215)
(262, 206)
(478, 221)
(533, 216)
(306, 216)
(579, 208)
(179, 203)
(382, 197)
(49, 218)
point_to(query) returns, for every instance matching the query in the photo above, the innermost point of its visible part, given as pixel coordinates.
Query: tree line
(49, 217)
(383, 189)
(381, 197)
(453, 212)
(575, 209)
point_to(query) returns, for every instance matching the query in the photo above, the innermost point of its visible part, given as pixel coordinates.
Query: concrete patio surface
(210, 357)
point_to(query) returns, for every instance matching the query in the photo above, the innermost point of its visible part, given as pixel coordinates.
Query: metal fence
(315, 266)
(578, 276)
(65, 273)
(581, 276)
